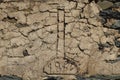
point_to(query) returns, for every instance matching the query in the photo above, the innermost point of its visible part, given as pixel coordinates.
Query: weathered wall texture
(50, 37)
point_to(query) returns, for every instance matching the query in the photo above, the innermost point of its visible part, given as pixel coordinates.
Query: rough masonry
(39, 38)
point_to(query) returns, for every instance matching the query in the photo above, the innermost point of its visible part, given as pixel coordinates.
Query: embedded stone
(32, 36)
(117, 43)
(80, 5)
(51, 21)
(19, 41)
(69, 19)
(94, 21)
(21, 5)
(75, 32)
(90, 10)
(103, 4)
(11, 35)
(85, 40)
(44, 7)
(36, 17)
(70, 5)
(10, 77)
(42, 33)
(75, 13)
(116, 25)
(51, 38)
(20, 16)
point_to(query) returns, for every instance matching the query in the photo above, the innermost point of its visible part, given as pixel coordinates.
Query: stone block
(32, 36)
(69, 28)
(75, 13)
(70, 5)
(42, 33)
(16, 52)
(91, 10)
(3, 66)
(51, 28)
(80, 5)
(51, 21)
(51, 38)
(19, 41)
(44, 7)
(10, 35)
(69, 19)
(75, 32)
(37, 17)
(21, 5)
(53, 14)
(20, 16)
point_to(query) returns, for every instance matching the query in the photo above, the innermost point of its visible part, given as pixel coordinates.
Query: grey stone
(113, 0)
(117, 43)
(116, 5)
(11, 77)
(105, 4)
(116, 25)
(102, 46)
(108, 14)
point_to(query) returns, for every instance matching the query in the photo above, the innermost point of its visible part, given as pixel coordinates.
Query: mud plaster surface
(55, 37)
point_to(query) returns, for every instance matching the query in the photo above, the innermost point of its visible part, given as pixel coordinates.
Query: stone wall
(39, 38)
